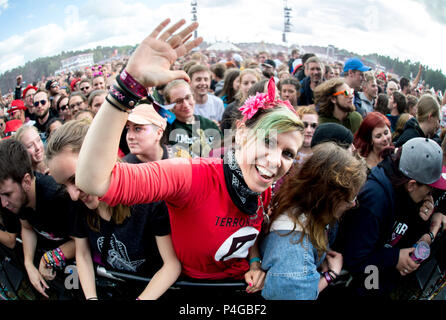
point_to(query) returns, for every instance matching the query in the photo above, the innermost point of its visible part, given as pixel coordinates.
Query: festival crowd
(284, 175)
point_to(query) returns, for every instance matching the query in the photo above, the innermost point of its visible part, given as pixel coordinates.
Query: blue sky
(405, 29)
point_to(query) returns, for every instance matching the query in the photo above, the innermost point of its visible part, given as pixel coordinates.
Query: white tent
(223, 46)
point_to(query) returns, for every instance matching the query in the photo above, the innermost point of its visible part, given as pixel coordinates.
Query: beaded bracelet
(54, 259)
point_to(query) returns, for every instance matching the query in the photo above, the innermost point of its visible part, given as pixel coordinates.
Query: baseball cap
(269, 63)
(355, 64)
(334, 132)
(16, 105)
(421, 160)
(11, 128)
(49, 83)
(27, 88)
(145, 114)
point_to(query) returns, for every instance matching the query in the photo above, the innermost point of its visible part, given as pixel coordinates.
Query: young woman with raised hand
(216, 207)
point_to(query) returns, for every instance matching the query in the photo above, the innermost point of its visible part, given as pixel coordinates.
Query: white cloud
(3, 5)
(398, 28)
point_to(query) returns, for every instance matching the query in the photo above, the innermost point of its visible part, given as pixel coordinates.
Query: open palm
(151, 61)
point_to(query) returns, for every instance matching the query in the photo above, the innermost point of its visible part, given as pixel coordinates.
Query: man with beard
(334, 99)
(206, 105)
(28, 98)
(354, 76)
(314, 69)
(43, 207)
(42, 111)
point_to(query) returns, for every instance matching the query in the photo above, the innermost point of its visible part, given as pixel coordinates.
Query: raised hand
(151, 61)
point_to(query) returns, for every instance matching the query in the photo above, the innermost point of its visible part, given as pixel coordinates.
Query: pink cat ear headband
(263, 101)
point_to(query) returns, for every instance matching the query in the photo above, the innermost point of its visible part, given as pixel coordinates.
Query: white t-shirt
(213, 108)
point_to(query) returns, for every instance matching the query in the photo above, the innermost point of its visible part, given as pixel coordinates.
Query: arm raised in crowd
(149, 65)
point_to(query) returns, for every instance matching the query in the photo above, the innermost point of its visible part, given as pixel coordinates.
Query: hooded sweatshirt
(386, 221)
(412, 129)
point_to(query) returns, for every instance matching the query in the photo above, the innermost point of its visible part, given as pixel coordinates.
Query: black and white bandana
(244, 198)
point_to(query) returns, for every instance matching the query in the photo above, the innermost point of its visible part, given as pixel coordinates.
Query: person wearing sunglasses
(42, 110)
(77, 102)
(85, 87)
(309, 118)
(334, 99)
(296, 250)
(63, 108)
(354, 77)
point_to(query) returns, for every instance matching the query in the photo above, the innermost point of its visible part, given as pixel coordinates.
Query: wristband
(333, 275)
(126, 81)
(431, 235)
(256, 259)
(126, 99)
(122, 109)
(328, 277)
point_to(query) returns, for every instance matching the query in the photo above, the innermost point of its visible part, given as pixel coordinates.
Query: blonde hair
(427, 106)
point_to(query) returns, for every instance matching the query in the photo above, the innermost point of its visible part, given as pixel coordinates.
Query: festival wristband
(431, 235)
(123, 97)
(116, 106)
(256, 259)
(328, 277)
(128, 82)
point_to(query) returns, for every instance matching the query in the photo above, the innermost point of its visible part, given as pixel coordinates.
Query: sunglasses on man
(347, 92)
(42, 102)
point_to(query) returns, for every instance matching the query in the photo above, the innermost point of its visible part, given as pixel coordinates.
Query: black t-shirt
(131, 158)
(195, 140)
(9, 221)
(52, 217)
(408, 226)
(132, 245)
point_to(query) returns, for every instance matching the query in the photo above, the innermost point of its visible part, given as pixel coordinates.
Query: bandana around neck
(244, 198)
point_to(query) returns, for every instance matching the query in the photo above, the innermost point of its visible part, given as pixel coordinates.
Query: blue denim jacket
(291, 267)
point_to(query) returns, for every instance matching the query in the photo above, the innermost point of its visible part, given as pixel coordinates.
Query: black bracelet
(333, 274)
(432, 236)
(123, 97)
(117, 106)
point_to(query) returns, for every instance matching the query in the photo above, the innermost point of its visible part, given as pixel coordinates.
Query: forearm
(85, 271)
(417, 79)
(161, 281)
(7, 239)
(29, 241)
(68, 249)
(97, 156)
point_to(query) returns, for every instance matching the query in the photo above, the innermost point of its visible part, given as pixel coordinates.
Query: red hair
(363, 137)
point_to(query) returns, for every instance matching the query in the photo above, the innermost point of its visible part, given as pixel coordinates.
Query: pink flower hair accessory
(263, 101)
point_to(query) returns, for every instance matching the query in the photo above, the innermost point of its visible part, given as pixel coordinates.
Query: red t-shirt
(211, 236)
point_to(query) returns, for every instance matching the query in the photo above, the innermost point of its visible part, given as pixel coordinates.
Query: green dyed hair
(279, 119)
